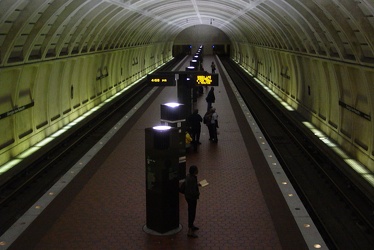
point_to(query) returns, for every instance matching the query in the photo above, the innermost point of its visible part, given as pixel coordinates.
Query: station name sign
(161, 80)
(16, 110)
(357, 112)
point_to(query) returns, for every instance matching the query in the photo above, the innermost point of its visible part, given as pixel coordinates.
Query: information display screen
(161, 80)
(206, 80)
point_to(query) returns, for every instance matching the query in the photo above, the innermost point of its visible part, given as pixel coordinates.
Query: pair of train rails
(310, 170)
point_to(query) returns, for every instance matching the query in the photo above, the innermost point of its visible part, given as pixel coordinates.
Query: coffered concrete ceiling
(48, 29)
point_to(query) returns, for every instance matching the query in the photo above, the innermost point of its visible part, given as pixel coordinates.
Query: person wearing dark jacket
(210, 98)
(191, 194)
(195, 121)
(213, 67)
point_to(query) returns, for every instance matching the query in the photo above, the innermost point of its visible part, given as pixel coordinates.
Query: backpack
(207, 119)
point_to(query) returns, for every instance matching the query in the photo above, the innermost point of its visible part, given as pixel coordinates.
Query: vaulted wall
(337, 97)
(38, 99)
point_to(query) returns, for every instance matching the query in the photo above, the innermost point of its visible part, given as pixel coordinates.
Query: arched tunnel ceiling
(47, 29)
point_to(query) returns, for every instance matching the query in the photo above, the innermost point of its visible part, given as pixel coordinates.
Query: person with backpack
(207, 117)
(194, 121)
(214, 126)
(211, 120)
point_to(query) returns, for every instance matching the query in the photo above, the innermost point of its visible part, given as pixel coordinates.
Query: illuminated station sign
(161, 80)
(206, 80)
(198, 78)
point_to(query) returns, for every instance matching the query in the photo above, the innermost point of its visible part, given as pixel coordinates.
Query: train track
(337, 202)
(27, 186)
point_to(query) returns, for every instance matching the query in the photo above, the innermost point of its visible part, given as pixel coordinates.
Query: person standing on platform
(213, 67)
(213, 125)
(210, 98)
(208, 122)
(191, 194)
(195, 121)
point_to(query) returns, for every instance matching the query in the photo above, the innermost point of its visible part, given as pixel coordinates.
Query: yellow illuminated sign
(162, 80)
(159, 80)
(204, 80)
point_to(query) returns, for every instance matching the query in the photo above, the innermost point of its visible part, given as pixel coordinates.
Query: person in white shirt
(212, 127)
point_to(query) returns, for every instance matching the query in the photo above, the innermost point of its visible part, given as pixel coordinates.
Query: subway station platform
(101, 202)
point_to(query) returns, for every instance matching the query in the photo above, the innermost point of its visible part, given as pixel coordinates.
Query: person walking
(191, 194)
(213, 67)
(210, 98)
(195, 121)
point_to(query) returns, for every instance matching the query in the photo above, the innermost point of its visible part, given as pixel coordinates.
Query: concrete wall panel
(346, 96)
(24, 119)
(54, 91)
(82, 88)
(362, 127)
(8, 83)
(369, 78)
(74, 84)
(324, 90)
(41, 118)
(65, 87)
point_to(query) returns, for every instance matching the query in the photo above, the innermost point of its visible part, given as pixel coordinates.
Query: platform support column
(162, 196)
(173, 115)
(185, 95)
